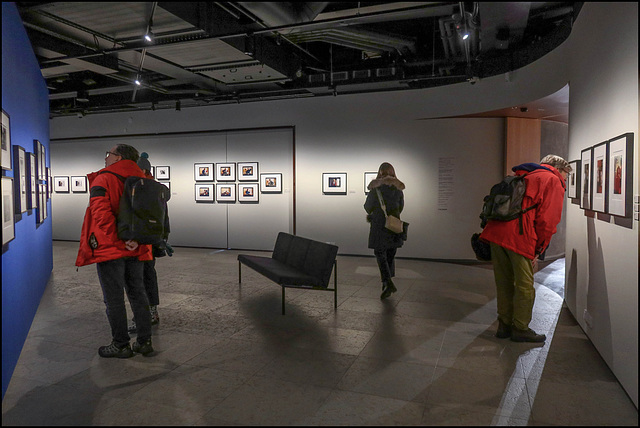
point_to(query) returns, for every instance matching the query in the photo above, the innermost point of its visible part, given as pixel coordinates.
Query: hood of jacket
(534, 167)
(389, 181)
(125, 168)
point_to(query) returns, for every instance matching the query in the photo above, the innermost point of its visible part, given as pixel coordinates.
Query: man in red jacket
(515, 254)
(119, 263)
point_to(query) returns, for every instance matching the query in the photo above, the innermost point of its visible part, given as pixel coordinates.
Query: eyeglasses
(110, 153)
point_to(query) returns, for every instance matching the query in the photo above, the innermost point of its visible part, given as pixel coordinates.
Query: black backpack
(504, 201)
(143, 211)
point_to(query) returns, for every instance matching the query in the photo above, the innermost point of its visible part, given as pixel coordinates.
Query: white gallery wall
(353, 134)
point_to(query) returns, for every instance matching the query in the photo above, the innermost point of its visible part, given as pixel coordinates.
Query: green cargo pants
(514, 286)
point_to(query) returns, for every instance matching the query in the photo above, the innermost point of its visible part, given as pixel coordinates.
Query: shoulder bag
(392, 223)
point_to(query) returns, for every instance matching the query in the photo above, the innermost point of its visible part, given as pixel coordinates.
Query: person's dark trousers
(151, 282)
(120, 275)
(386, 263)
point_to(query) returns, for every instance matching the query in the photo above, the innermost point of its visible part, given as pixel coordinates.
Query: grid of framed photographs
(603, 177)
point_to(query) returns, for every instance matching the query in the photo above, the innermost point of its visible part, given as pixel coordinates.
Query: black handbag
(481, 248)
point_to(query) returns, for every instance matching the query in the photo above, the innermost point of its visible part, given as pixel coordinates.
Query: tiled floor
(226, 355)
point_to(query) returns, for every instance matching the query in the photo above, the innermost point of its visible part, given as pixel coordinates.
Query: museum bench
(297, 262)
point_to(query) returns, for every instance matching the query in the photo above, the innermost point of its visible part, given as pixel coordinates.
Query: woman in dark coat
(384, 242)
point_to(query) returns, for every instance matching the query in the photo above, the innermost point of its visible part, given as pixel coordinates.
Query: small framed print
(585, 168)
(334, 183)
(205, 192)
(368, 177)
(20, 182)
(620, 183)
(247, 171)
(8, 220)
(271, 183)
(226, 171)
(573, 179)
(32, 200)
(79, 184)
(226, 192)
(599, 170)
(248, 192)
(163, 173)
(6, 141)
(61, 184)
(49, 183)
(203, 171)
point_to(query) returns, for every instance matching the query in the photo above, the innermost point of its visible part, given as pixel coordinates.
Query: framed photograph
(598, 178)
(203, 171)
(573, 179)
(368, 177)
(42, 209)
(6, 141)
(248, 192)
(43, 162)
(620, 182)
(49, 183)
(163, 173)
(20, 179)
(205, 192)
(79, 184)
(271, 182)
(166, 184)
(226, 172)
(585, 172)
(247, 171)
(61, 184)
(8, 225)
(32, 200)
(334, 183)
(226, 192)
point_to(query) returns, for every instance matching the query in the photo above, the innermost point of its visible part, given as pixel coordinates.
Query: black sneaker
(143, 348)
(527, 335)
(504, 330)
(113, 351)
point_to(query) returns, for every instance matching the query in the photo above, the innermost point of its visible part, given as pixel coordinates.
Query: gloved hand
(168, 249)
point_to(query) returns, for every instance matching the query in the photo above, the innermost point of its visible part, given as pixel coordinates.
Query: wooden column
(522, 142)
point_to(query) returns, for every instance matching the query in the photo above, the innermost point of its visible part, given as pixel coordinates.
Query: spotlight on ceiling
(465, 36)
(149, 36)
(137, 81)
(82, 96)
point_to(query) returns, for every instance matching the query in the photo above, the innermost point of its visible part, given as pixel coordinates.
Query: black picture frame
(226, 193)
(6, 141)
(203, 172)
(226, 171)
(620, 198)
(78, 184)
(248, 171)
(599, 173)
(271, 182)
(20, 179)
(163, 173)
(573, 180)
(248, 193)
(205, 193)
(61, 184)
(334, 183)
(585, 192)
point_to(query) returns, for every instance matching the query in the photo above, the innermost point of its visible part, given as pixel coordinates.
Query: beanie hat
(143, 162)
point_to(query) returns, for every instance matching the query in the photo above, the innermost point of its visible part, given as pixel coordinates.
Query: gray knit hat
(143, 162)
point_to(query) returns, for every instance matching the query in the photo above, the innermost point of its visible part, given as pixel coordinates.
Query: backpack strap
(522, 214)
(122, 178)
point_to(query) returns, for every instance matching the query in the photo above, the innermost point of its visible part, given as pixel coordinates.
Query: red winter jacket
(99, 240)
(545, 187)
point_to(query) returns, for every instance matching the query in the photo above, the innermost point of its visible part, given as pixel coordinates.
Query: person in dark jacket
(514, 255)
(119, 263)
(384, 242)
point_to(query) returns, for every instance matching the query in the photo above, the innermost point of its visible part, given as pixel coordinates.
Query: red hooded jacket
(545, 187)
(99, 240)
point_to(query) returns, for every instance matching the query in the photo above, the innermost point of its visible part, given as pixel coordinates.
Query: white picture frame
(8, 219)
(203, 172)
(79, 184)
(163, 173)
(226, 171)
(61, 184)
(248, 192)
(6, 141)
(226, 192)
(248, 171)
(205, 192)
(334, 183)
(271, 182)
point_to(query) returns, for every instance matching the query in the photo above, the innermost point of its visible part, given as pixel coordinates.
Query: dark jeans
(386, 263)
(120, 275)
(151, 282)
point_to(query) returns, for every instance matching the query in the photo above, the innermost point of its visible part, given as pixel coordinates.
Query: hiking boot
(133, 327)
(113, 351)
(155, 318)
(527, 335)
(143, 348)
(504, 330)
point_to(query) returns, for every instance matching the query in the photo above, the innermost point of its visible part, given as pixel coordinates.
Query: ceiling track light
(148, 37)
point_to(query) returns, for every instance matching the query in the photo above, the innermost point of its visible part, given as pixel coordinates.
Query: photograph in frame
(368, 177)
(6, 141)
(585, 178)
(598, 178)
(248, 192)
(620, 184)
(32, 200)
(271, 182)
(205, 192)
(8, 220)
(42, 209)
(334, 183)
(20, 179)
(573, 180)
(226, 171)
(79, 184)
(203, 172)
(49, 184)
(226, 192)
(163, 173)
(247, 171)
(43, 162)
(61, 184)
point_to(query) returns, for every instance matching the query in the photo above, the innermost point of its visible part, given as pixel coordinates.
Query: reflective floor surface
(227, 356)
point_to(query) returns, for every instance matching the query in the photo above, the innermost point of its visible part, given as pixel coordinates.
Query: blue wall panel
(27, 261)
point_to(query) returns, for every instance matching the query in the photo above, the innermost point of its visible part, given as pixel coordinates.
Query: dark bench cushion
(279, 272)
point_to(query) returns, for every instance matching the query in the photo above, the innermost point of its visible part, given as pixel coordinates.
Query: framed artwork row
(226, 192)
(246, 171)
(602, 178)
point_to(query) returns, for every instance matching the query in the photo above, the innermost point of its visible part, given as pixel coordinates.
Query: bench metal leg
(239, 272)
(335, 284)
